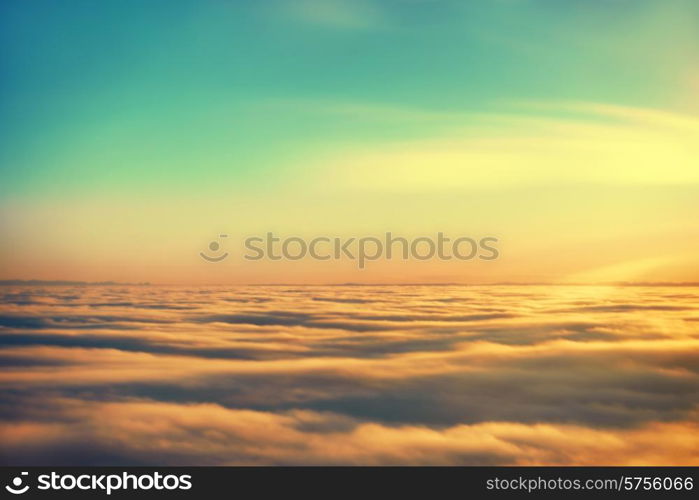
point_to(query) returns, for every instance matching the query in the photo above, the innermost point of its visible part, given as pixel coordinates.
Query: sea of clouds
(140, 375)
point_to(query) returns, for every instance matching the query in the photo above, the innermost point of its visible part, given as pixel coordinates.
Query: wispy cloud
(344, 14)
(597, 144)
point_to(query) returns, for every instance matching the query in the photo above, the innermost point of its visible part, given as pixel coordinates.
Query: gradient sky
(133, 133)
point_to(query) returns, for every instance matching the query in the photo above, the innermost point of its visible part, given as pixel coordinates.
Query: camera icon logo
(214, 247)
(16, 487)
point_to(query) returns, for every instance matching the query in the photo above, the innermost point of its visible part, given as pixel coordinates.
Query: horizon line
(37, 282)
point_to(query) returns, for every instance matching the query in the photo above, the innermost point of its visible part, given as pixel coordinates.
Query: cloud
(145, 432)
(366, 375)
(567, 142)
(345, 14)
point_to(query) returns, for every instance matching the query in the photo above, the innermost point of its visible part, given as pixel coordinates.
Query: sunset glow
(143, 145)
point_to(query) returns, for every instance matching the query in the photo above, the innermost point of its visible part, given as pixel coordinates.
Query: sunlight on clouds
(632, 270)
(350, 375)
(207, 433)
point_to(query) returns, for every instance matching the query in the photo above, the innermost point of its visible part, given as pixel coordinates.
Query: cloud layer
(349, 375)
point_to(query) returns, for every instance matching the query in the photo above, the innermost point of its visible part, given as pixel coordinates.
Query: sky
(133, 134)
